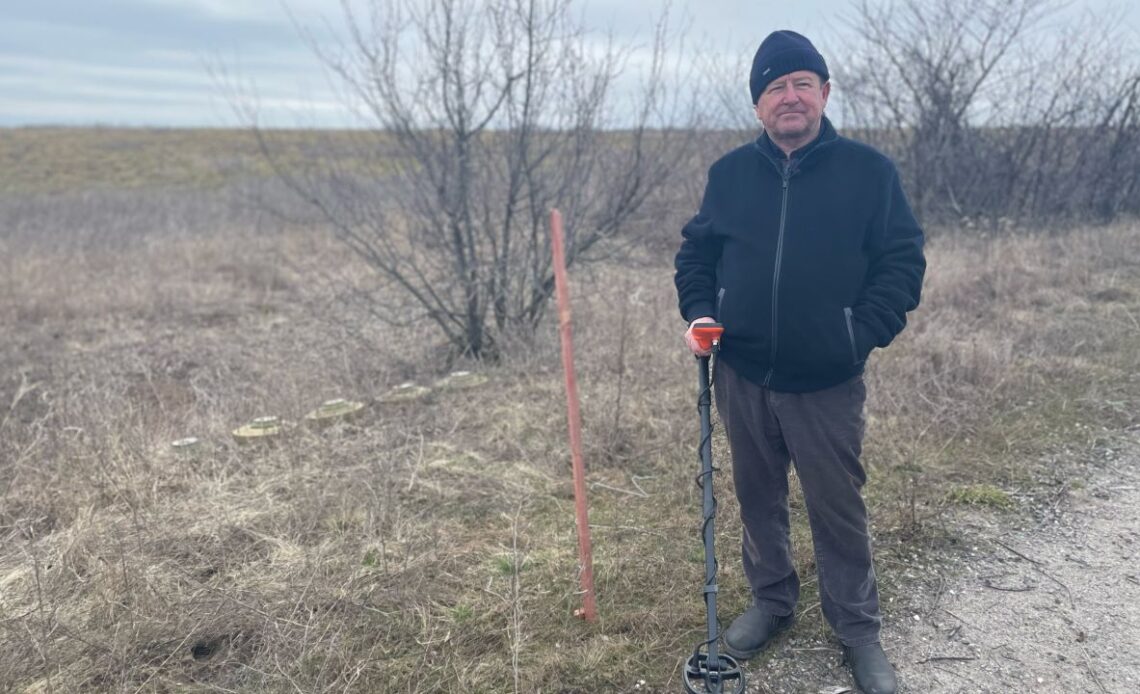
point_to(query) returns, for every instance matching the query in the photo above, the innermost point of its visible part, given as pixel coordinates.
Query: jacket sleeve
(894, 277)
(697, 259)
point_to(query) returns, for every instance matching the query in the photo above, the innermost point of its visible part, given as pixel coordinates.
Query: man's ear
(826, 90)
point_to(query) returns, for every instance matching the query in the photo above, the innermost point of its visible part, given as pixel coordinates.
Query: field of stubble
(429, 545)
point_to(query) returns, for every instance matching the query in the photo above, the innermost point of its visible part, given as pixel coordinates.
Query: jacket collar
(827, 135)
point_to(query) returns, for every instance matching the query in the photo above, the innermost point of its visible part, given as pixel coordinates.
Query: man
(806, 250)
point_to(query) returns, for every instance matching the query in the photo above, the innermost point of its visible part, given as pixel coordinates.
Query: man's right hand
(691, 342)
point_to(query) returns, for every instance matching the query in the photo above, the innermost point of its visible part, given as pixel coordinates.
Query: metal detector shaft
(708, 671)
(704, 407)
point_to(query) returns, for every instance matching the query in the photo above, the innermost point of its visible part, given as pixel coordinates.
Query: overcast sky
(155, 62)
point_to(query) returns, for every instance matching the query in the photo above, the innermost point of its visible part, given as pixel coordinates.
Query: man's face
(791, 107)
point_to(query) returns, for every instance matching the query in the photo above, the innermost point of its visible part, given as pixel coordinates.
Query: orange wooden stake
(589, 610)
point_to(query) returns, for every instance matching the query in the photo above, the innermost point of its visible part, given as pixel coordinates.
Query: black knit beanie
(783, 52)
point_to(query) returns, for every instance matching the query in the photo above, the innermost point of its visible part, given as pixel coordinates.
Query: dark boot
(752, 631)
(869, 666)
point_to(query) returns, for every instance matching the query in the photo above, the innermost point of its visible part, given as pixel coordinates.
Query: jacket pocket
(851, 334)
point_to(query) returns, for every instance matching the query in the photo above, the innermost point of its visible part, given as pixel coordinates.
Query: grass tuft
(980, 495)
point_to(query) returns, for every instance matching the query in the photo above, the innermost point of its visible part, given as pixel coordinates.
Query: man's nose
(789, 95)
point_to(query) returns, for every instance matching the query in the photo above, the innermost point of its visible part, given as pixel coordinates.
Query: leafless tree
(992, 112)
(487, 114)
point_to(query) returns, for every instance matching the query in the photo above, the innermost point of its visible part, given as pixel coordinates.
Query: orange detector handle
(708, 335)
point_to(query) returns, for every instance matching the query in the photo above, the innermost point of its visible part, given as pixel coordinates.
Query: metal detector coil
(725, 677)
(708, 671)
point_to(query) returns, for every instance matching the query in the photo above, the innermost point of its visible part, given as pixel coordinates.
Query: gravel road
(1050, 608)
(1051, 605)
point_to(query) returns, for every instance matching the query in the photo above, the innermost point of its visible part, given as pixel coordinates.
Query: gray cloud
(132, 62)
(147, 62)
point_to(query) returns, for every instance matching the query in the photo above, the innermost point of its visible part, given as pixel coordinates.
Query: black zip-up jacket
(810, 262)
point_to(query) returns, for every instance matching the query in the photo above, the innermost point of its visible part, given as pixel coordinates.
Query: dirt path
(1052, 606)
(1049, 608)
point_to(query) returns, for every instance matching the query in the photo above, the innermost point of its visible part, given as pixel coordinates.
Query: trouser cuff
(773, 608)
(860, 641)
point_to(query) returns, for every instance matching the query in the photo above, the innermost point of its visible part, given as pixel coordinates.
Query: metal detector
(708, 670)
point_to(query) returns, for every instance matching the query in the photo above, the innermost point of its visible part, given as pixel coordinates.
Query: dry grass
(52, 159)
(429, 546)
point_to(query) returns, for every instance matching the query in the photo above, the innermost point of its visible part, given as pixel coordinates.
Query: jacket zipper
(786, 174)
